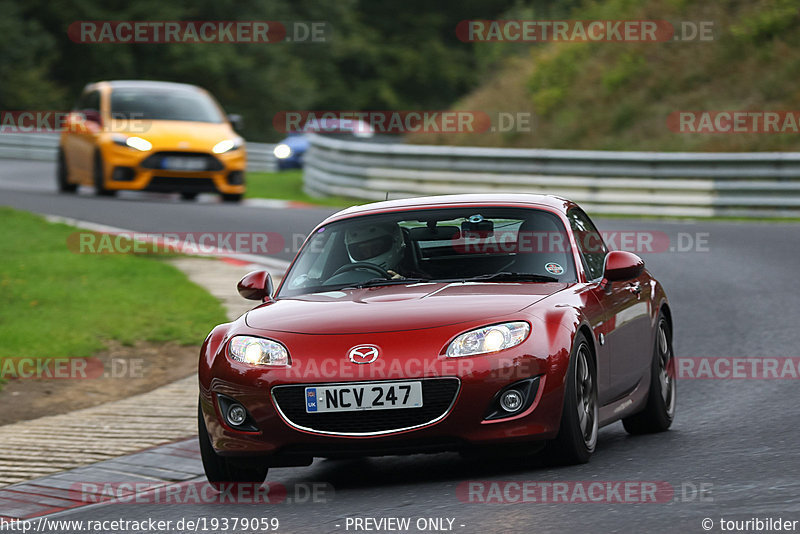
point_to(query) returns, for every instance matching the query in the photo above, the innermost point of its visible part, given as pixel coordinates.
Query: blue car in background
(289, 152)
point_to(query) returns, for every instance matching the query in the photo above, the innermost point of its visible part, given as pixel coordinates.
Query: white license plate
(183, 164)
(370, 396)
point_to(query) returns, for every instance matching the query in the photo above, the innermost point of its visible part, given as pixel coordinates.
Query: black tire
(221, 471)
(577, 436)
(232, 198)
(99, 183)
(659, 411)
(62, 175)
(188, 196)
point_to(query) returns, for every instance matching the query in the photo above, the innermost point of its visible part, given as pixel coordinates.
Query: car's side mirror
(76, 122)
(256, 286)
(621, 265)
(91, 115)
(236, 121)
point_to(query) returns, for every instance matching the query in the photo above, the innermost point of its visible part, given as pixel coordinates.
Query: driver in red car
(383, 245)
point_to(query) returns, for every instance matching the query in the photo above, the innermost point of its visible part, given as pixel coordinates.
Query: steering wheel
(361, 265)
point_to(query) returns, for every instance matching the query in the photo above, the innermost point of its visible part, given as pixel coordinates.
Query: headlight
(258, 351)
(282, 151)
(227, 145)
(132, 142)
(489, 339)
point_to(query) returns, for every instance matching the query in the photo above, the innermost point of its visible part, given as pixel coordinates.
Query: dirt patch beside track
(128, 371)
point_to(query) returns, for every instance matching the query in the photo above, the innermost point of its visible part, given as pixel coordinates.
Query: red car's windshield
(470, 243)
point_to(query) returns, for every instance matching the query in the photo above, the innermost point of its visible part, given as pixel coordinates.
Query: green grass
(618, 96)
(288, 185)
(58, 303)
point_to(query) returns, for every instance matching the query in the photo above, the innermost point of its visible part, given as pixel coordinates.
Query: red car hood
(396, 308)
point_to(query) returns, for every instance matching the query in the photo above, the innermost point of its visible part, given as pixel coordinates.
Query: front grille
(209, 162)
(438, 395)
(171, 184)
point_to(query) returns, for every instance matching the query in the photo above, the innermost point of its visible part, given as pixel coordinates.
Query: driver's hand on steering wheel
(395, 276)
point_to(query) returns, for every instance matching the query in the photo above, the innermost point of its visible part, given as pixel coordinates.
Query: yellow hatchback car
(151, 136)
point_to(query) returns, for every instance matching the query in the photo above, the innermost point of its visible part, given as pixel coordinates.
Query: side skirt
(628, 405)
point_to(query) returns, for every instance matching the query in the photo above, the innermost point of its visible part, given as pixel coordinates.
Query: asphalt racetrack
(732, 452)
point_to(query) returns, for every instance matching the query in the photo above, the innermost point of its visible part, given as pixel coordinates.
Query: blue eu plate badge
(311, 399)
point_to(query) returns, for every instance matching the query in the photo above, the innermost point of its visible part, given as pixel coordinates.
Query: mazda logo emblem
(363, 354)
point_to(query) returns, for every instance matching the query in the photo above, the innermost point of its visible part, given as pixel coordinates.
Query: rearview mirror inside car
(434, 233)
(477, 226)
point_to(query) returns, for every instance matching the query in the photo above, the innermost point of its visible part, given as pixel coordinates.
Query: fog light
(123, 174)
(236, 178)
(236, 414)
(511, 400)
(514, 399)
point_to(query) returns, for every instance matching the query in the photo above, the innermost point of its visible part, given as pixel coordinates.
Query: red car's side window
(590, 243)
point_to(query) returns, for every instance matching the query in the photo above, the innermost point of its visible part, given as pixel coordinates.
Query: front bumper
(126, 169)
(281, 439)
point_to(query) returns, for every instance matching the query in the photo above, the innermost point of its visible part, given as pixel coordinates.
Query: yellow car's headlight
(137, 143)
(489, 339)
(258, 351)
(227, 145)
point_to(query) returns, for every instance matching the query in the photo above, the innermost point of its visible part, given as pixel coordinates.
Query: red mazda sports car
(438, 324)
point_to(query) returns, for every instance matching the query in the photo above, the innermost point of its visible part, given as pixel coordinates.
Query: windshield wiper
(506, 276)
(376, 282)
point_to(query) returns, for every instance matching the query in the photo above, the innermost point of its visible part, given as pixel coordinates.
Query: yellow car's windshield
(161, 104)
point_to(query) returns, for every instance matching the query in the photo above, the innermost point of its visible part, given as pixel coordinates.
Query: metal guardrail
(43, 146)
(261, 158)
(638, 183)
(39, 146)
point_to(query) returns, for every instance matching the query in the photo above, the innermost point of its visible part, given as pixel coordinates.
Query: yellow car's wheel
(62, 175)
(99, 181)
(232, 197)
